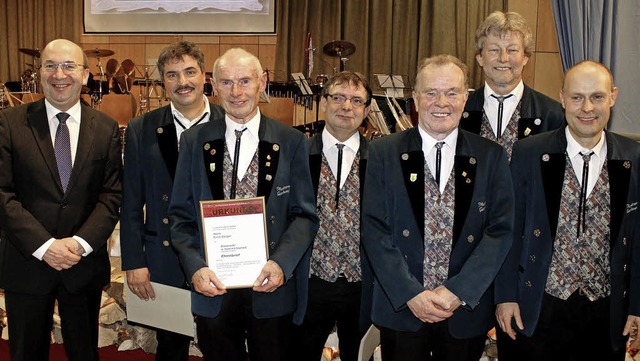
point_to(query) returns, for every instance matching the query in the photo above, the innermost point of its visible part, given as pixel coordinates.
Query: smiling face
(184, 82)
(440, 99)
(502, 59)
(343, 120)
(587, 97)
(61, 87)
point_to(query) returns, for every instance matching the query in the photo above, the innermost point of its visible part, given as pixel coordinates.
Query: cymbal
(341, 48)
(99, 53)
(32, 52)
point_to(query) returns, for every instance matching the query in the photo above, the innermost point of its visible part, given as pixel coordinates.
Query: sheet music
(302, 83)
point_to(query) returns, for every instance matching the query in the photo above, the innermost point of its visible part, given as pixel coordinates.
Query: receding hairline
(589, 64)
(239, 56)
(65, 42)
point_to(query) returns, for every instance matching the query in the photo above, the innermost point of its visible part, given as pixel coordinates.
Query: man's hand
(140, 283)
(271, 277)
(206, 282)
(631, 329)
(63, 254)
(430, 307)
(504, 313)
(453, 300)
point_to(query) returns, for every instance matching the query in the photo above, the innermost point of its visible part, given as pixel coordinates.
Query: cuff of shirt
(39, 253)
(84, 244)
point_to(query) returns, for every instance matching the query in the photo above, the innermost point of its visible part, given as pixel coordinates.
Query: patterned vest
(248, 186)
(582, 263)
(336, 248)
(438, 230)
(510, 135)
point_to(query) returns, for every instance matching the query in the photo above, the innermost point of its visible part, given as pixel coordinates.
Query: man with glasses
(338, 158)
(437, 223)
(150, 158)
(244, 155)
(60, 166)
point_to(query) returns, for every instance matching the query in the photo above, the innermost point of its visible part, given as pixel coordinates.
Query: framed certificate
(235, 239)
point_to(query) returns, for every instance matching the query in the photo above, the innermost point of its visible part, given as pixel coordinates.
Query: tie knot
(439, 145)
(501, 98)
(339, 146)
(586, 155)
(62, 117)
(239, 132)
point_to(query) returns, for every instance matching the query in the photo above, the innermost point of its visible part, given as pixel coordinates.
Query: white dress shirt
(509, 106)
(248, 142)
(595, 164)
(448, 154)
(182, 123)
(349, 152)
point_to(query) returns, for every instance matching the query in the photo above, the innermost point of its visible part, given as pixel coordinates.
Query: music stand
(393, 85)
(307, 94)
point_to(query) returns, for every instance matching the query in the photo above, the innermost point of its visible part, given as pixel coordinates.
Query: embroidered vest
(510, 135)
(247, 187)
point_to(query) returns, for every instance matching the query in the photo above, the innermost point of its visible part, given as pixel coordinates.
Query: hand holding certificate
(235, 244)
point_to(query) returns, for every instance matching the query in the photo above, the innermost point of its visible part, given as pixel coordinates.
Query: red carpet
(110, 353)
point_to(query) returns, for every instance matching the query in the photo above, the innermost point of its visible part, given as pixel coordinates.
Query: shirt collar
(329, 141)
(74, 111)
(573, 147)
(428, 142)
(187, 122)
(253, 125)
(517, 92)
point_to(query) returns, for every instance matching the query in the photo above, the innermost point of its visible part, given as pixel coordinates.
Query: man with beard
(151, 154)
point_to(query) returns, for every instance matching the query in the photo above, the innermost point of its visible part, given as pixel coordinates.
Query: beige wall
(544, 70)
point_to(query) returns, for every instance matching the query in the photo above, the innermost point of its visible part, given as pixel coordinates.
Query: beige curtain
(32, 24)
(391, 36)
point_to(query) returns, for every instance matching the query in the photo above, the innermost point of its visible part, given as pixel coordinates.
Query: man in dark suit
(60, 166)
(269, 159)
(437, 224)
(570, 285)
(505, 109)
(151, 154)
(338, 158)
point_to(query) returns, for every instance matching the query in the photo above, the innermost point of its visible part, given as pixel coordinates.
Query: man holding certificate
(245, 155)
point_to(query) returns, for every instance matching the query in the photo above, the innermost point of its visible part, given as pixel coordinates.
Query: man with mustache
(151, 154)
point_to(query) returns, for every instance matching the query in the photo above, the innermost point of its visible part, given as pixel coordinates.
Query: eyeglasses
(68, 67)
(340, 99)
(451, 94)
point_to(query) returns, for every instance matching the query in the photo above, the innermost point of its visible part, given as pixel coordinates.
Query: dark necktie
(582, 212)
(438, 161)
(339, 171)
(62, 149)
(500, 100)
(236, 159)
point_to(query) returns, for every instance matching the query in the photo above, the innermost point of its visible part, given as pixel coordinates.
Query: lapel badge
(207, 146)
(212, 152)
(212, 167)
(267, 164)
(159, 130)
(268, 156)
(464, 173)
(276, 147)
(413, 177)
(468, 181)
(527, 132)
(626, 164)
(268, 177)
(405, 156)
(472, 160)
(538, 121)
(465, 115)
(545, 157)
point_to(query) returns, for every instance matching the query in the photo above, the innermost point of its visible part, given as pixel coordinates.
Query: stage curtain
(32, 24)
(390, 36)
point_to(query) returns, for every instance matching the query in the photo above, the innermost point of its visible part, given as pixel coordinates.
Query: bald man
(270, 160)
(569, 287)
(60, 165)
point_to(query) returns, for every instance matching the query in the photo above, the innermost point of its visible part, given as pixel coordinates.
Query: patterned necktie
(236, 159)
(586, 158)
(339, 171)
(438, 162)
(500, 100)
(62, 149)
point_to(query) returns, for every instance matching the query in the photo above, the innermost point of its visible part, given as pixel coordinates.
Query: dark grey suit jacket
(285, 182)
(393, 228)
(151, 154)
(538, 166)
(33, 207)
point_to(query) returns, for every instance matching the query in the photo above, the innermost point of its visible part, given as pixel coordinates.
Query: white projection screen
(179, 16)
